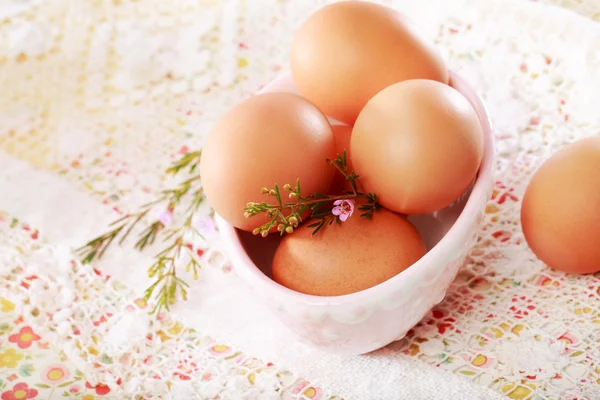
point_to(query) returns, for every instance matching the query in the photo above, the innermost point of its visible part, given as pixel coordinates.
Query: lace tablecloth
(99, 96)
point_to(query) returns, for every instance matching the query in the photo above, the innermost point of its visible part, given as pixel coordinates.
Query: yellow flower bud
(264, 233)
(289, 229)
(293, 195)
(256, 231)
(287, 186)
(264, 190)
(280, 227)
(293, 221)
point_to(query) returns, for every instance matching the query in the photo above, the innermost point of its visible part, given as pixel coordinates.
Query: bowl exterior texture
(365, 321)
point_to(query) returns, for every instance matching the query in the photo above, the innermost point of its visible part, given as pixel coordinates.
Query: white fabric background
(223, 307)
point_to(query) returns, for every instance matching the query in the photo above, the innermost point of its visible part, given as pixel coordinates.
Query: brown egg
(342, 133)
(272, 138)
(348, 257)
(561, 209)
(347, 52)
(418, 145)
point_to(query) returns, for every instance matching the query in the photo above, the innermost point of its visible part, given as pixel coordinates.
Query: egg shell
(347, 52)
(348, 257)
(418, 145)
(560, 214)
(268, 139)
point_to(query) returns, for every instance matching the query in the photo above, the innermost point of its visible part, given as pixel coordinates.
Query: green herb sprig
(285, 217)
(167, 284)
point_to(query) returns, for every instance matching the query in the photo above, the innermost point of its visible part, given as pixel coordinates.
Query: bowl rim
(246, 268)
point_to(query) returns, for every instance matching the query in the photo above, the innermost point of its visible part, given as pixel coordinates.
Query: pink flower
(205, 225)
(343, 209)
(221, 350)
(101, 389)
(297, 388)
(24, 338)
(166, 218)
(207, 376)
(227, 268)
(568, 338)
(21, 391)
(75, 388)
(482, 361)
(307, 391)
(55, 374)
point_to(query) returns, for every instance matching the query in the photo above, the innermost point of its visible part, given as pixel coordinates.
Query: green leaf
(106, 359)
(42, 385)
(467, 372)
(26, 370)
(4, 327)
(78, 373)
(318, 228)
(278, 195)
(233, 356)
(62, 385)
(577, 353)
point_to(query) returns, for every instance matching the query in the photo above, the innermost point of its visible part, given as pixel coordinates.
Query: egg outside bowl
(361, 322)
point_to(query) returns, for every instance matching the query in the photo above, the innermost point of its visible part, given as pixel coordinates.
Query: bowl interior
(432, 227)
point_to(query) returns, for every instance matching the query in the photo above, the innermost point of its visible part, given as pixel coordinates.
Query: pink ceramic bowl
(361, 322)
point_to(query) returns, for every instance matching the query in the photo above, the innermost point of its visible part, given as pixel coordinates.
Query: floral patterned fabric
(184, 363)
(508, 323)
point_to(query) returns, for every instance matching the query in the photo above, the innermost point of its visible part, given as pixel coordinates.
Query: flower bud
(289, 229)
(256, 231)
(264, 190)
(293, 221)
(280, 227)
(264, 233)
(293, 195)
(287, 186)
